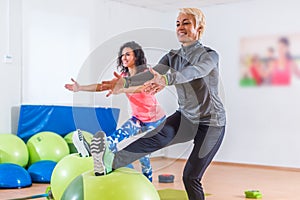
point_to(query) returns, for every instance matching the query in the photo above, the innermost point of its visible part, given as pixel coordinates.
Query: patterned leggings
(132, 127)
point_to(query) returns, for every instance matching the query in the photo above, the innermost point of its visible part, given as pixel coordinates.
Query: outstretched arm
(116, 86)
(76, 87)
(202, 64)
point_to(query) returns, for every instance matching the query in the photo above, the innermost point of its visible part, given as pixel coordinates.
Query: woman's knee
(188, 181)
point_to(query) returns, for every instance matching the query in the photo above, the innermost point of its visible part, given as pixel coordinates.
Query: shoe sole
(79, 144)
(98, 146)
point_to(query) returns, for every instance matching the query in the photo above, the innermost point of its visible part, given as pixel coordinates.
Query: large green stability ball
(121, 184)
(66, 170)
(13, 150)
(47, 146)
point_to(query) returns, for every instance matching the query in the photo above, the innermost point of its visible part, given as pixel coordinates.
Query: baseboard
(267, 167)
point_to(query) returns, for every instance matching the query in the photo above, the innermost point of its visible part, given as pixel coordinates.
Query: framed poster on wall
(272, 60)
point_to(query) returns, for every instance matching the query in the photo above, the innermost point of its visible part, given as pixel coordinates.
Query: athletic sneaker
(82, 146)
(102, 156)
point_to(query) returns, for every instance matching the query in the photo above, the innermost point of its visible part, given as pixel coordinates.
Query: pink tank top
(282, 76)
(145, 107)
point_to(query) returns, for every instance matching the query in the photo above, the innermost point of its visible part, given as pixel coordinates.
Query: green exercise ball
(13, 150)
(68, 138)
(66, 170)
(121, 184)
(47, 146)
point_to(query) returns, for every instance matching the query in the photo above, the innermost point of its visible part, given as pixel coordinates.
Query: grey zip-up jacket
(194, 72)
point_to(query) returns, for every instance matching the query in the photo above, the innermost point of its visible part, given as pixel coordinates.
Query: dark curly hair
(140, 61)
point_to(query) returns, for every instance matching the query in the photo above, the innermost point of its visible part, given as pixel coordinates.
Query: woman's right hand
(75, 87)
(114, 86)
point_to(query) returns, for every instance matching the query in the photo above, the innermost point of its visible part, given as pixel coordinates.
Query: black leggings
(178, 129)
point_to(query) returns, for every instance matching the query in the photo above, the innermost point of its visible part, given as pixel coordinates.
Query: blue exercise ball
(41, 171)
(14, 176)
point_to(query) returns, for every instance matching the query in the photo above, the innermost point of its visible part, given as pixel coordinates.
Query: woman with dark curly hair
(146, 111)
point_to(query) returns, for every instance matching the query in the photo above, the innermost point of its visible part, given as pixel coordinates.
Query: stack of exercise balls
(47, 146)
(22, 164)
(13, 158)
(45, 150)
(46, 158)
(13, 150)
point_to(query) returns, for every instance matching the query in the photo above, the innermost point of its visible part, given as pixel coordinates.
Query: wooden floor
(223, 181)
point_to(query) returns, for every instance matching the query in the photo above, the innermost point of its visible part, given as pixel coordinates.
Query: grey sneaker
(98, 148)
(82, 146)
(103, 157)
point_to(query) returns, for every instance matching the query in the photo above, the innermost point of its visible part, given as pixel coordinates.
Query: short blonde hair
(198, 15)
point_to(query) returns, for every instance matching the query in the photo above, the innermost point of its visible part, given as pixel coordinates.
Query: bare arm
(76, 87)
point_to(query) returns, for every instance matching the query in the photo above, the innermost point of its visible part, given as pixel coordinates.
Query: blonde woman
(194, 71)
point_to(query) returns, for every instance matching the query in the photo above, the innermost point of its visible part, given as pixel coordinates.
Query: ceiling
(173, 5)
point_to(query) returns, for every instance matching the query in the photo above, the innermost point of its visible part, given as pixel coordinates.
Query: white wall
(10, 73)
(59, 39)
(56, 41)
(262, 122)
